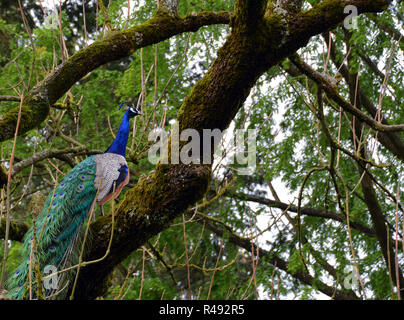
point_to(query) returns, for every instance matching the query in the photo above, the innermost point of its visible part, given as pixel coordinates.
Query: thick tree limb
(115, 46)
(328, 14)
(170, 5)
(249, 12)
(288, 7)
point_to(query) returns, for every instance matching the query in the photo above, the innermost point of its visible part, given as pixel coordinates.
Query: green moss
(159, 191)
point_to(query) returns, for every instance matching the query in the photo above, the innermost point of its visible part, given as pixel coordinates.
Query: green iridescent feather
(58, 227)
(60, 224)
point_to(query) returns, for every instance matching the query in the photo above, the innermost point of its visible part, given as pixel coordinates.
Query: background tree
(321, 215)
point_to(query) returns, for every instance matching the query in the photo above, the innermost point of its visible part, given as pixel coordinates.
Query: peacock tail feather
(58, 229)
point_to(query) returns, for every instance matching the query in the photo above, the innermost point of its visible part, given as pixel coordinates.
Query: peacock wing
(111, 175)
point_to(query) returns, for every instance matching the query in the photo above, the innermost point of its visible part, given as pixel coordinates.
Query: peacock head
(132, 111)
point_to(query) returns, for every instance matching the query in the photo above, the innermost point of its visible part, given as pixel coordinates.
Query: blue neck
(119, 144)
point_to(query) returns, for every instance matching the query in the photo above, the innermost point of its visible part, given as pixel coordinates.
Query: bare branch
(302, 276)
(390, 140)
(329, 85)
(313, 212)
(50, 153)
(10, 98)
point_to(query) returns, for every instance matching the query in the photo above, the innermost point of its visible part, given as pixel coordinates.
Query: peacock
(59, 227)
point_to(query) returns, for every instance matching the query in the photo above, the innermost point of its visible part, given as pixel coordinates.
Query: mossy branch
(114, 47)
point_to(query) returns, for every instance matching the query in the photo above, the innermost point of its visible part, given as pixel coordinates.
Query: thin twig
(6, 236)
(213, 274)
(189, 292)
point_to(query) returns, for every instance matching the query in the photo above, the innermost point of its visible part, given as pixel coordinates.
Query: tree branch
(249, 12)
(390, 30)
(10, 98)
(329, 13)
(49, 153)
(372, 66)
(389, 140)
(288, 7)
(312, 212)
(300, 275)
(381, 228)
(329, 85)
(170, 5)
(114, 47)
